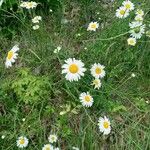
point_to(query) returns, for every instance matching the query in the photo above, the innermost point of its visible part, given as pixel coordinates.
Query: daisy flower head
(73, 69)
(22, 142)
(97, 83)
(137, 29)
(11, 56)
(52, 138)
(128, 5)
(139, 12)
(35, 27)
(86, 99)
(36, 19)
(93, 26)
(131, 41)
(31, 5)
(48, 147)
(138, 18)
(122, 12)
(98, 71)
(104, 125)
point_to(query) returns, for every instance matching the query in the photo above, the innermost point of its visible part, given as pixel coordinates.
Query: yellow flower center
(87, 98)
(122, 12)
(22, 141)
(30, 4)
(47, 148)
(73, 68)
(10, 55)
(93, 26)
(128, 6)
(98, 70)
(131, 41)
(106, 124)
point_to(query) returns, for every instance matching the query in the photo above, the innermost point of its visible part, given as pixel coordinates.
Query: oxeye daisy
(98, 71)
(86, 99)
(35, 27)
(48, 147)
(139, 12)
(22, 142)
(36, 19)
(104, 125)
(23, 4)
(93, 26)
(52, 138)
(31, 5)
(11, 56)
(73, 69)
(137, 29)
(128, 5)
(122, 12)
(138, 18)
(97, 83)
(131, 41)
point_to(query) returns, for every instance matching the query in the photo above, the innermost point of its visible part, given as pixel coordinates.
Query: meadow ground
(35, 97)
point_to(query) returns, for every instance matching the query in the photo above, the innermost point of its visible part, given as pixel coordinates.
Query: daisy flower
(73, 69)
(133, 75)
(128, 5)
(3, 136)
(86, 99)
(93, 26)
(11, 56)
(36, 19)
(138, 18)
(52, 138)
(48, 147)
(97, 83)
(122, 12)
(139, 12)
(35, 27)
(104, 125)
(131, 41)
(137, 29)
(31, 5)
(22, 142)
(98, 71)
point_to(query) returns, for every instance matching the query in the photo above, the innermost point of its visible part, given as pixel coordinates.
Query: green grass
(38, 72)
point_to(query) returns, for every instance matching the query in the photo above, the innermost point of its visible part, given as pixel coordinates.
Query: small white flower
(133, 75)
(35, 27)
(52, 138)
(73, 69)
(57, 49)
(51, 10)
(128, 5)
(93, 26)
(36, 19)
(97, 70)
(23, 119)
(75, 148)
(22, 142)
(48, 147)
(97, 83)
(56, 148)
(3, 136)
(131, 41)
(11, 56)
(86, 99)
(122, 12)
(139, 12)
(31, 5)
(104, 125)
(138, 18)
